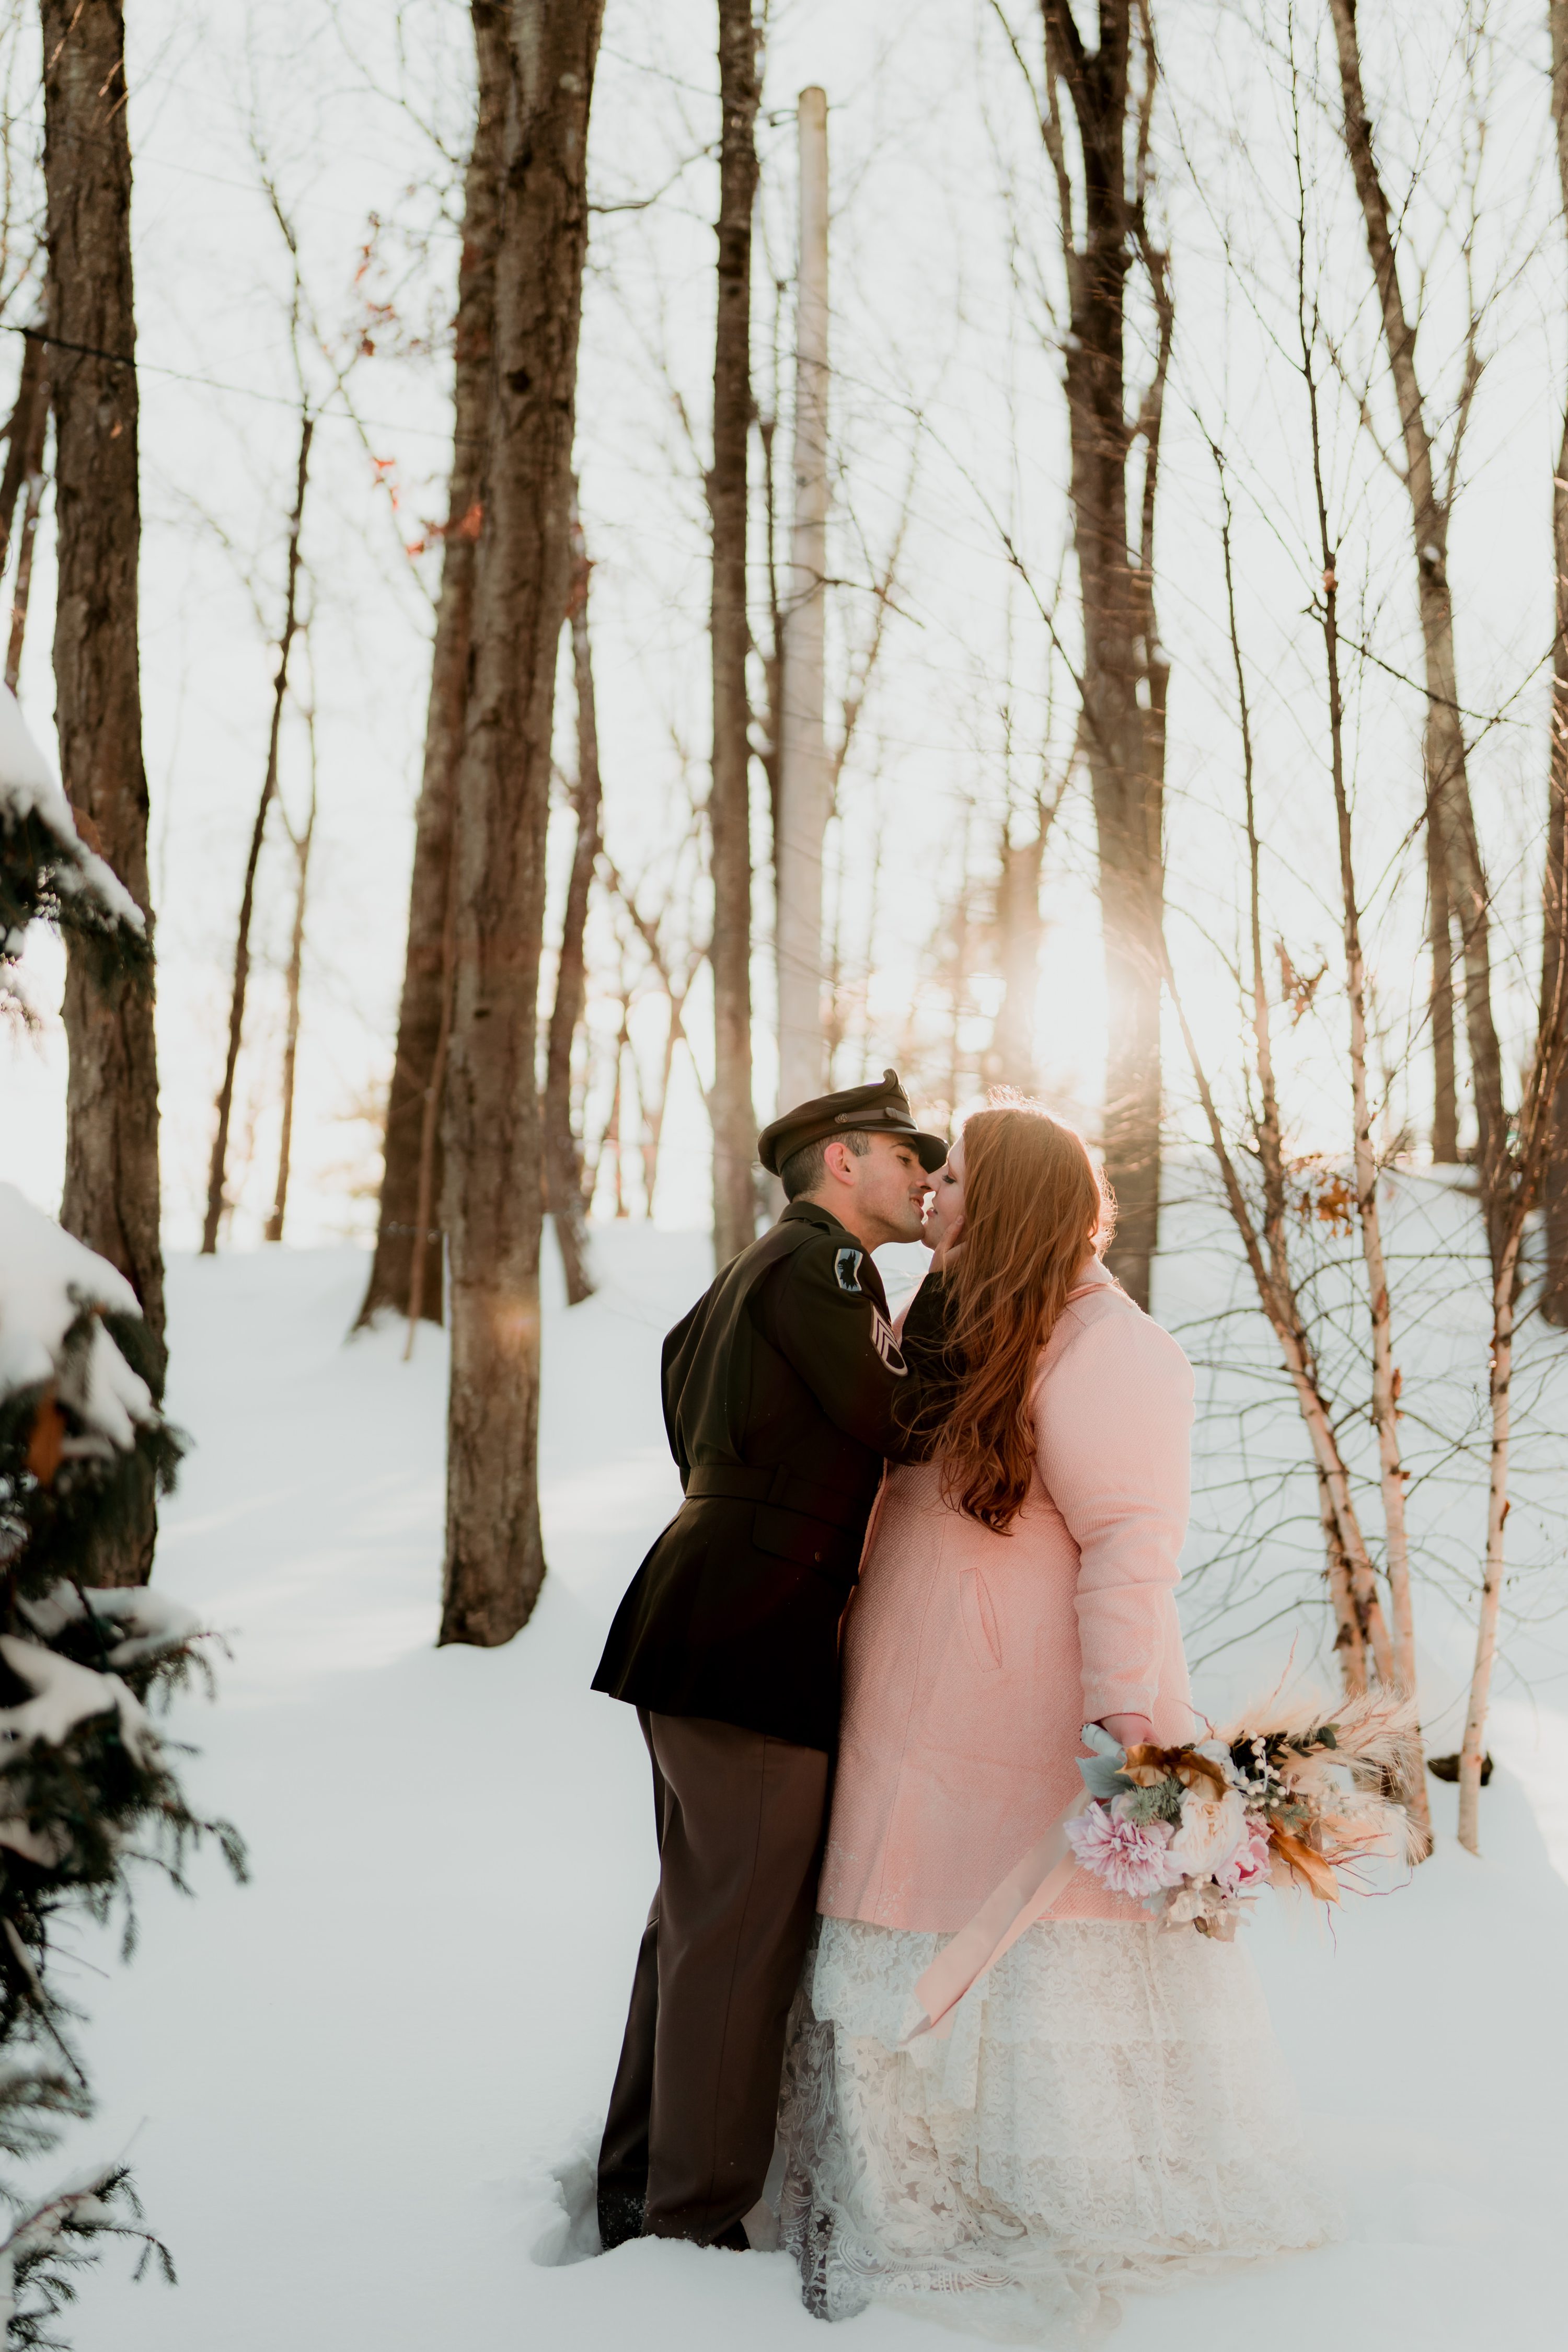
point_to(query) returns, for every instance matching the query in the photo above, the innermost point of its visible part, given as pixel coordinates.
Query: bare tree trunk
(22, 586)
(654, 1098)
(734, 1119)
(1011, 1060)
(23, 435)
(1385, 1377)
(1555, 940)
(1499, 1385)
(285, 636)
(494, 1187)
(110, 1198)
(1123, 675)
(1529, 1165)
(427, 977)
(1439, 932)
(1360, 1625)
(612, 1141)
(302, 843)
(1019, 930)
(1448, 791)
(804, 782)
(563, 1152)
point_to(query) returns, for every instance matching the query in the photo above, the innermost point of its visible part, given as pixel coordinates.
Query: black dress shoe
(620, 2217)
(734, 2240)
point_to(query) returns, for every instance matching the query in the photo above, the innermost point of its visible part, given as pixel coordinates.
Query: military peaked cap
(876, 1110)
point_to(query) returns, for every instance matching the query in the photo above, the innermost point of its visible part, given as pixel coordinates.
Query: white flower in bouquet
(1210, 1829)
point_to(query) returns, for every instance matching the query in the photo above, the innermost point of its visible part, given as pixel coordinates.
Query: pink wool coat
(971, 1659)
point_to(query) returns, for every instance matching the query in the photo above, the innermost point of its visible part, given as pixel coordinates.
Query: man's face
(888, 1188)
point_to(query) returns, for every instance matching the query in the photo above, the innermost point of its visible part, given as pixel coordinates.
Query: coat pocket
(833, 1553)
(979, 1613)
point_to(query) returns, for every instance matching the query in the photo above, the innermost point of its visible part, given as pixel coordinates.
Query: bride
(1109, 2109)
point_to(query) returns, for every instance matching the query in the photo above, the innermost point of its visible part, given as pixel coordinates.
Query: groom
(780, 1394)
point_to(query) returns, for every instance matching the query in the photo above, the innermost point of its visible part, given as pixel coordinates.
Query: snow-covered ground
(360, 2094)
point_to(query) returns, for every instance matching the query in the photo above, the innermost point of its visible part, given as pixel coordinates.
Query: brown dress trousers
(690, 2131)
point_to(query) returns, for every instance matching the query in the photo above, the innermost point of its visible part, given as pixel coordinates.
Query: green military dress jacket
(785, 1390)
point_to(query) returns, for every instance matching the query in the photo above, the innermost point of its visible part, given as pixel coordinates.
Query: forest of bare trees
(611, 570)
(1219, 852)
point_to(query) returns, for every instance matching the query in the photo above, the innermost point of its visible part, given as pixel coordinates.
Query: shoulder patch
(886, 1345)
(846, 1270)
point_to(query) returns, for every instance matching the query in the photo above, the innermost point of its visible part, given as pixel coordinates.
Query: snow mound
(46, 1278)
(29, 788)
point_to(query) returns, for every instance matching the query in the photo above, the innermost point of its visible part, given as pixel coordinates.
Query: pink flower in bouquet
(1130, 1857)
(1248, 1866)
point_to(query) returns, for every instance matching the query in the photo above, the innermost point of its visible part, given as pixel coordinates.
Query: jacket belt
(781, 1488)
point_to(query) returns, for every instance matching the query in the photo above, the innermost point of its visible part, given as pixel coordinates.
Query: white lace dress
(1111, 2113)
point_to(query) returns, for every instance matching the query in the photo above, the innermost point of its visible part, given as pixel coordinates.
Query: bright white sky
(944, 264)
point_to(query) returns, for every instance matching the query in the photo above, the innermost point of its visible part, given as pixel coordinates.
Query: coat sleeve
(833, 1334)
(1114, 1418)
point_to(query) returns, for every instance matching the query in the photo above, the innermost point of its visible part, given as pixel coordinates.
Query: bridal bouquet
(1292, 1800)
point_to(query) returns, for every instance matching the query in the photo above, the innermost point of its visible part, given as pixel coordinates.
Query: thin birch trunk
(302, 845)
(403, 1234)
(1546, 1079)
(1439, 935)
(1555, 909)
(1385, 1377)
(1297, 1355)
(493, 1132)
(1350, 1638)
(111, 1198)
(1400, 1667)
(733, 1116)
(563, 1152)
(285, 636)
(1499, 1392)
(1538, 1139)
(1430, 511)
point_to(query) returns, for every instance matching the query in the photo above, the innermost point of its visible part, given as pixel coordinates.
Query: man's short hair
(803, 1170)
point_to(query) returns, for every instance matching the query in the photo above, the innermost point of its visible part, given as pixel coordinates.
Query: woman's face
(944, 1212)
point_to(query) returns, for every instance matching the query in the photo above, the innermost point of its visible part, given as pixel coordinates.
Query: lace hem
(1112, 2113)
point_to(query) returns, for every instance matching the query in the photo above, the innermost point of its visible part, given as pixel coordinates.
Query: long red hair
(1034, 1209)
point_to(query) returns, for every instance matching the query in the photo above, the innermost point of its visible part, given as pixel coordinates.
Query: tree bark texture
(494, 1172)
(1554, 944)
(111, 1198)
(1123, 674)
(1447, 782)
(729, 805)
(562, 1151)
(426, 978)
